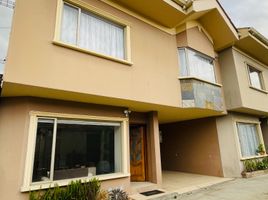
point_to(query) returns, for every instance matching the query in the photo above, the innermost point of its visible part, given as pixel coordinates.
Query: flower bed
(254, 173)
(255, 167)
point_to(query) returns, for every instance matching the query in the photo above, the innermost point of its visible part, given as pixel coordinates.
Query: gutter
(258, 36)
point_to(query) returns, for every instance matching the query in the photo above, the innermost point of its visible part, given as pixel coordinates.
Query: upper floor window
(83, 29)
(255, 77)
(195, 64)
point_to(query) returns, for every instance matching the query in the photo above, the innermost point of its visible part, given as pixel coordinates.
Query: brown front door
(137, 153)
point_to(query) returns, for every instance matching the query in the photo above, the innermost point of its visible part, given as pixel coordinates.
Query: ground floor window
(249, 138)
(68, 148)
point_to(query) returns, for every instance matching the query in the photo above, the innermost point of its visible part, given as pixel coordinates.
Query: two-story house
(244, 70)
(90, 85)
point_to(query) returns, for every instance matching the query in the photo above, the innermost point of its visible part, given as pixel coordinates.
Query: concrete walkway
(174, 183)
(184, 182)
(237, 189)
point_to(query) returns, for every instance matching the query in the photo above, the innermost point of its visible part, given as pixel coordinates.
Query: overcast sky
(5, 23)
(248, 13)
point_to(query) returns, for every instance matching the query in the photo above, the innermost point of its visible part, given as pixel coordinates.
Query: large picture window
(195, 64)
(249, 138)
(91, 32)
(67, 148)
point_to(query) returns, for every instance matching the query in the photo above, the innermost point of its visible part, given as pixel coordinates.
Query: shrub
(250, 165)
(261, 149)
(93, 189)
(76, 190)
(256, 164)
(260, 165)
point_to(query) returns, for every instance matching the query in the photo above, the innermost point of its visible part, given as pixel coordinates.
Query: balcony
(201, 94)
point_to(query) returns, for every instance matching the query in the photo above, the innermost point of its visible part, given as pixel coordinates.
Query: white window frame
(262, 89)
(85, 6)
(186, 49)
(28, 185)
(259, 132)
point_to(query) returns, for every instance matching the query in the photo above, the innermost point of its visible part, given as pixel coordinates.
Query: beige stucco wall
(229, 79)
(229, 142)
(264, 128)
(196, 39)
(14, 129)
(251, 98)
(238, 94)
(34, 60)
(191, 146)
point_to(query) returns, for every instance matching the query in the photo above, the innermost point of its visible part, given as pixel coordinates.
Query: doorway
(137, 135)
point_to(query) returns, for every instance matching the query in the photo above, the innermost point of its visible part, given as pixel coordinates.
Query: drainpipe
(1, 83)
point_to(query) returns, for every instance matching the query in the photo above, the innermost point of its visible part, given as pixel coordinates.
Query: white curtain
(101, 36)
(248, 138)
(183, 63)
(69, 24)
(255, 79)
(201, 67)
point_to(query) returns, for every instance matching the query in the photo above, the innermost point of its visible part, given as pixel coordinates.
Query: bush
(256, 164)
(76, 190)
(93, 189)
(250, 165)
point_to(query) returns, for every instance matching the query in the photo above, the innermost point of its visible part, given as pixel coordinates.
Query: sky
(248, 13)
(5, 23)
(243, 13)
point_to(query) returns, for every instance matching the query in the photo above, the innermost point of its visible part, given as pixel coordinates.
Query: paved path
(237, 189)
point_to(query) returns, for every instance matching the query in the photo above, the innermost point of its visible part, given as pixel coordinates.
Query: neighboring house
(244, 69)
(89, 85)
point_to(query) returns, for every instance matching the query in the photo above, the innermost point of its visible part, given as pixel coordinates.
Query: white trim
(27, 184)
(76, 116)
(186, 50)
(96, 11)
(52, 162)
(260, 75)
(199, 79)
(46, 185)
(237, 141)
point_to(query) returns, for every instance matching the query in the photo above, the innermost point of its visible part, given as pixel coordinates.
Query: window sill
(253, 157)
(199, 79)
(73, 47)
(260, 90)
(51, 184)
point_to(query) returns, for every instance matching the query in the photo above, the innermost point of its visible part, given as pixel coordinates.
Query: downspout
(1, 84)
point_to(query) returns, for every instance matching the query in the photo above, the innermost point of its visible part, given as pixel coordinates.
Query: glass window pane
(84, 150)
(183, 63)
(43, 148)
(69, 24)
(201, 66)
(100, 35)
(248, 138)
(255, 78)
